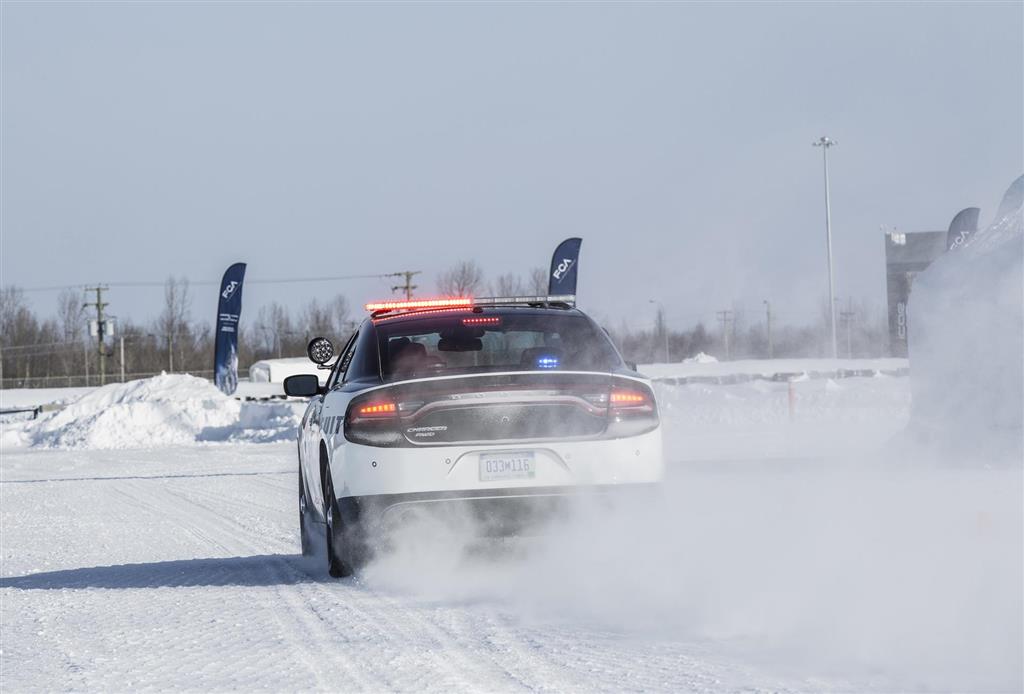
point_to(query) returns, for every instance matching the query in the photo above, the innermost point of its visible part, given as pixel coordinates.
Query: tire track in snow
(211, 531)
(455, 653)
(250, 621)
(375, 622)
(305, 634)
(412, 647)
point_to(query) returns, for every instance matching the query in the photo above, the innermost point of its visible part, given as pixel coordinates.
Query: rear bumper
(494, 512)
(364, 471)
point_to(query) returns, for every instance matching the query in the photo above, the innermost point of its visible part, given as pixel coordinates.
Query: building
(906, 255)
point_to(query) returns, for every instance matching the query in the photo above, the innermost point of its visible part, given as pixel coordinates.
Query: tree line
(58, 350)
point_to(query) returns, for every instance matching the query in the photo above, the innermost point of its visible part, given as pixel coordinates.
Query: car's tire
(306, 520)
(339, 563)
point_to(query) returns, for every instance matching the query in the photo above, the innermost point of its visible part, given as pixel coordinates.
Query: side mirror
(631, 365)
(302, 386)
(320, 350)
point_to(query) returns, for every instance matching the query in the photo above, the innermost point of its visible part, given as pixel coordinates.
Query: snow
(171, 409)
(754, 420)
(181, 571)
(11, 398)
(788, 552)
(704, 366)
(966, 341)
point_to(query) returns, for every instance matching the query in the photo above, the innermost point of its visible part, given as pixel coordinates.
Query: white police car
(498, 408)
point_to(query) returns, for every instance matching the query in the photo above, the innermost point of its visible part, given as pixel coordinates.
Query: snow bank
(966, 342)
(700, 358)
(170, 409)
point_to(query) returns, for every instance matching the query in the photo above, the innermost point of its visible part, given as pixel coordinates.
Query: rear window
(467, 342)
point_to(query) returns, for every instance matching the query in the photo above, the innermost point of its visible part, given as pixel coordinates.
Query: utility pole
(768, 328)
(101, 327)
(408, 286)
(825, 143)
(847, 318)
(725, 318)
(662, 325)
(122, 359)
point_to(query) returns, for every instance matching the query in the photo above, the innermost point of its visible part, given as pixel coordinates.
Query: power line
(199, 283)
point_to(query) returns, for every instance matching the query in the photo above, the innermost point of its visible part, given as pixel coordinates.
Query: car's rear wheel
(306, 523)
(336, 565)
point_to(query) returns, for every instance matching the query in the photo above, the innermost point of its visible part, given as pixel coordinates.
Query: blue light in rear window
(547, 362)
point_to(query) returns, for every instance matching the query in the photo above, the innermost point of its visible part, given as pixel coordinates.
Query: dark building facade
(906, 254)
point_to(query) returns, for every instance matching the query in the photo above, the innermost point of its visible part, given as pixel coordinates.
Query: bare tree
(275, 329)
(69, 314)
(463, 279)
(19, 329)
(316, 320)
(509, 285)
(173, 321)
(330, 319)
(539, 281)
(12, 304)
(70, 320)
(341, 315)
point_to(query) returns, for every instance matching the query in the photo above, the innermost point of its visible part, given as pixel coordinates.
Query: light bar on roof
(469, 302)
(453, 302)
(381, 316)
(512, 300)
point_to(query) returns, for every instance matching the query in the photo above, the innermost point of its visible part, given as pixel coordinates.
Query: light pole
(825, 143)
(664, 326)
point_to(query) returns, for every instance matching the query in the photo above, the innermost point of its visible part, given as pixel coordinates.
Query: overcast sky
(144, 140)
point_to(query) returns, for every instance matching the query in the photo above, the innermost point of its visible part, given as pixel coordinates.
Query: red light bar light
(454, 302)
(423, 312)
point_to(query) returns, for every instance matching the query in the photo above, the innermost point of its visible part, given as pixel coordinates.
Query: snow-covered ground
(704, 365)
(785, 555)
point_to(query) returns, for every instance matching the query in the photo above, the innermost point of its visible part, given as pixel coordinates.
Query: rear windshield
(468, 342)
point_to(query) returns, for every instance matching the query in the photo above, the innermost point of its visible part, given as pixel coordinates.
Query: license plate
(518, 465)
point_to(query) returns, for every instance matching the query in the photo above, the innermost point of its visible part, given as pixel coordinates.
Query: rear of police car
(498, 411)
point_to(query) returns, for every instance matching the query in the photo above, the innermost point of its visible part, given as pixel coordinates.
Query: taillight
(631, 411)
(621, 397)
(380, 409)
(373, 421)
